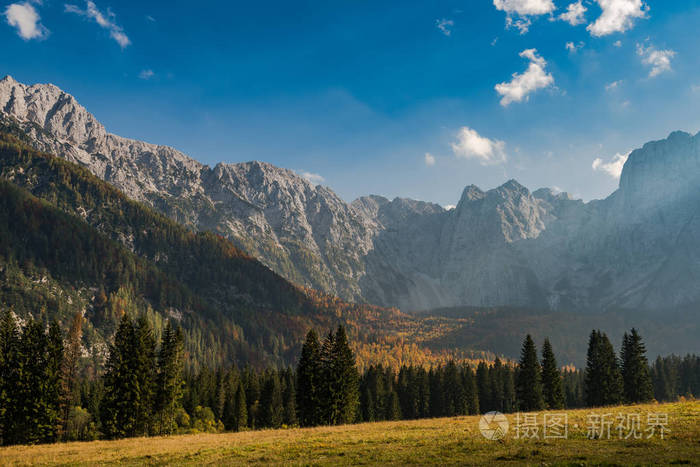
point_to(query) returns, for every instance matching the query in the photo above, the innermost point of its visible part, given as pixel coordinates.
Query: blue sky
(358, 92)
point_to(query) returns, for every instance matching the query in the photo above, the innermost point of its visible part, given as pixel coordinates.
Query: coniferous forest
(48, 393)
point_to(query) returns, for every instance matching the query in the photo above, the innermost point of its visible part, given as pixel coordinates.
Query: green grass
(445, 441)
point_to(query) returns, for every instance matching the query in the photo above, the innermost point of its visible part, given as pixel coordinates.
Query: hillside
(443, 441)
(71, 242)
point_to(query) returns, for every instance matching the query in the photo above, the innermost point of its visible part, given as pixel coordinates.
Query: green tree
(121, 384)
(635, 369)
(169, 380)
(551, 378)
(309, 381)
(10, 371)
(240, 420)
(602, 379)
(272, 409)
(529, 378)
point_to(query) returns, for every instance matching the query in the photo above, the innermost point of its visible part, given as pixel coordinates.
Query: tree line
(145, 389)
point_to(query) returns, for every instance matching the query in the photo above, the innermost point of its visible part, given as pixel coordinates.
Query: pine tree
(289, 398)
(603, 382)
(169, 379)
(55, 398)
(10, 371)
(551, 378)
(471, 391)
(71, 359)
(145, 369)
(344, 380)
(483, 384)
(121, 384)
(309, 381)
(529, 378)
(497, 383)
(240, 420)
(635, 369)
(272, 409)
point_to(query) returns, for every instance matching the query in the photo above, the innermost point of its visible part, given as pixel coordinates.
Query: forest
(46, 394)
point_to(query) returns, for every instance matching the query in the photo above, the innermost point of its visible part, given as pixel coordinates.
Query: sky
(413, 99)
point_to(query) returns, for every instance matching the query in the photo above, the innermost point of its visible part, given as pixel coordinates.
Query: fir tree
(603, 382)
(272, 409)
(635, 369)
(529, 378)
(10, 371)
(168, 391)
(289, 398)
(121, 384)
(483, 384)
(309, 381)
(240, 420)
(551, 379)
(343, 380)
(71, 359)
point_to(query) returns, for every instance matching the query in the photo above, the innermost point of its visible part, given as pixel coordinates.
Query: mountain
(69, 243)
(636, 249)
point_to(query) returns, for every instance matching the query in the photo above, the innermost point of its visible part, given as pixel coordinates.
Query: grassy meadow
(442, 441)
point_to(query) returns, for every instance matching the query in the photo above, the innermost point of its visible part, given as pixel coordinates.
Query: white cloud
(534, 78)
(617, 16)
(429, 159)
(449, 207)
(525, 7)
(519, 11)
(471, 145)
(25, 18)
(617, 43)
(105, 21)
(612, 168)
(521, 24)
(445, 25)
(658, 60)
(575, 14)
(571, 47)
(614, 85)
(313, 178)
(146, 74)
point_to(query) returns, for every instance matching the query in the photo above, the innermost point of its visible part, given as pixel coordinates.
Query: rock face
(639, 248)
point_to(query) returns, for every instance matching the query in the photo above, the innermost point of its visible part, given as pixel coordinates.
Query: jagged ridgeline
(72, 243)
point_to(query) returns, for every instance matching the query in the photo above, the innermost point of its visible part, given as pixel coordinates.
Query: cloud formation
(522, 84)
(575, 14)
(445, 25)
(429, 159)
(24, 17)
(571, 47)
(471, 145)
(612, 168)
(312, 178)
(614, 85)
(91, 11)
(658, 60)
(617, 16)
(518, 12)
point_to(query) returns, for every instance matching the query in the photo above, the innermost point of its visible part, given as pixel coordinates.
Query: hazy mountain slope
(503, 247)
(70, 242)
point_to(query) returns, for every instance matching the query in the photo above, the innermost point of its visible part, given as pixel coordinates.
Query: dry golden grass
(445, 441)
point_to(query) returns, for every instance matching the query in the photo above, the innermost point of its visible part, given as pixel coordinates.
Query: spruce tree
(602, 381)
(551, 379)
(145, 369)
(289, 398)
(309, 381)
(10, 371)
(635, 369)
(240, 420)
(121, 384)
(344, 380)
(483, 384)
(272, 409)
(55, 387)
(71, 367)
(471, 391)
(169, 379)
(529, 378)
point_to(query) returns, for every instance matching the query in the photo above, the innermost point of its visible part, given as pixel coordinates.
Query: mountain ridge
(507, 246)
